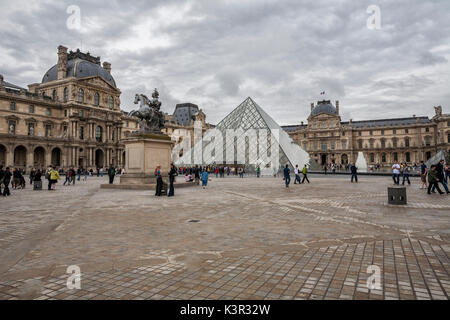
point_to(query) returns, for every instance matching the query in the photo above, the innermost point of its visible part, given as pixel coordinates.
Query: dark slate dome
(79, 68)
(324, 106)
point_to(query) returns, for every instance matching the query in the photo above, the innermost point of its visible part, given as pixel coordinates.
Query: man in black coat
(6, 180)
(111, 174)
(441, 176)
(172, 174)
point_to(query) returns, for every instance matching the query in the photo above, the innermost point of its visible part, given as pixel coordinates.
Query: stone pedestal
(143, 153)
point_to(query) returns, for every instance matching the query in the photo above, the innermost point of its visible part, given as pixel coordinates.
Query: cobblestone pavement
(238, 239)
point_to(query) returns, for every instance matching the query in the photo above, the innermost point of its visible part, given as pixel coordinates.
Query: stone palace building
(71, 118)
(328, 139)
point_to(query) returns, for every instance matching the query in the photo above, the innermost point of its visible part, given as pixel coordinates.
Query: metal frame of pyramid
(249, 115)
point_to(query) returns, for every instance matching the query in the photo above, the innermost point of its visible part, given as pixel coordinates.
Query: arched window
(96, 99)
(111, 102)
(99, 134)
(80, 95)
(66, 94)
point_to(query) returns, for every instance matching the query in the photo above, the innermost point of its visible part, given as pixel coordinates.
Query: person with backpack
(111, 174)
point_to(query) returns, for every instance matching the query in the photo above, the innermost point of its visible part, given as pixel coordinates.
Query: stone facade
(330, 140)
(73, 119)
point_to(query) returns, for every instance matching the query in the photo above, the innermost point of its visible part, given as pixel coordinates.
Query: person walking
(53, 178)
(172, 174)
(305, 174)
(32, 174)
(405, 174)
(197, 175)
(433, 180)
(441, 175)
(101, 172)
(258, 172)
(37, 181)
(2, 175)
(354, 172)
(159, 181)
(111, 174)
(287, 175)
(423, 175)
(396, 172)
(204, 179)
(447, 172)
(6, 181)
(297, 175)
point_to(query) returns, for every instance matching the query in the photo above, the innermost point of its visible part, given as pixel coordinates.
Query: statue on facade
(150, 117)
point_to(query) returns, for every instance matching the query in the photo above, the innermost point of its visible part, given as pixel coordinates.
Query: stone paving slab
(238, 239)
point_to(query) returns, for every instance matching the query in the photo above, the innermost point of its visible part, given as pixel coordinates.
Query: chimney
(312, 106)
(337, 106)
(107, 66)
(62, 62)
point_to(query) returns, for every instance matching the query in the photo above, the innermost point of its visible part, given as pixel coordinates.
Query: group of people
(287, 175)
(193, 174)
(438, 173)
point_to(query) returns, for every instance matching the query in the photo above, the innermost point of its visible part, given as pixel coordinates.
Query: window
(48, 130)
(305, 144)
(81, 95)
(360, 144)
(372, 157)
(394, 143)
(31, 109)
(448, 138)
(54, 95)
(428, 155)
(81, 133)
(371, 142)
(96, 99)
(333, 145)
(316, 145)
(48, 112)
(112, 134)
(99, 134)
(111, 102)
(408, 157)
(394, 131)
(66, 94)
(427, 129)
(81, 113)
(406, 131)
(359, 133)
(12, 127)
(371, 132)
(65, 131)
(127, 123)
(324, 146)
(65, 113)
(12, 106)
(395, 156)
(31, 129)
(382, 132)
(428, 141)
(383, 157)
(344, 145)
(406, 142)
(343, 133)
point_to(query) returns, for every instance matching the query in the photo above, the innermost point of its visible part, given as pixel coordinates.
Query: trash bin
(397, 195)
(37, 185)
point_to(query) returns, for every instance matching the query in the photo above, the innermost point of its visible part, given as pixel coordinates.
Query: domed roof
(324, 106)
(79, 68)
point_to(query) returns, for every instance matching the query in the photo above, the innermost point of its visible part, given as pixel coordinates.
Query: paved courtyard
(238, 239)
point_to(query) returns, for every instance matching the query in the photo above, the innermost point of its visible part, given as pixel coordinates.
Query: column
(30, 158)
(10, 156)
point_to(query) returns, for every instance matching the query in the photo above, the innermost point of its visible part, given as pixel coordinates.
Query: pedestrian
(447, 172)
(423, 175)
(305, 174)
(6, 181)
(53, 178)
(297, 175)
(441, 175)
(2, 174)
(197, 175)
(32, 173)
(354, 172)
(101, 172)
(79, 170)
(287, 175)
(172, 173)
(159, 181)
(396, 172)
(37, 180)
(258, 172)
(405, 174)
(204, 179)
(433, 180)
(111, 174)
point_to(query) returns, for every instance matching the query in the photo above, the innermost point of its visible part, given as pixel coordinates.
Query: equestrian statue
(151, 118)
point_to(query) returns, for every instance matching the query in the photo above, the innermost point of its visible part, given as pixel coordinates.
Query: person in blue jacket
(204, 179)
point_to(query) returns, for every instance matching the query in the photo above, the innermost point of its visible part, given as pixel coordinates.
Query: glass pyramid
(250, 126)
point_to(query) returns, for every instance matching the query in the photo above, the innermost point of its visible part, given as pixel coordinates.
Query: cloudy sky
(216, 53)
